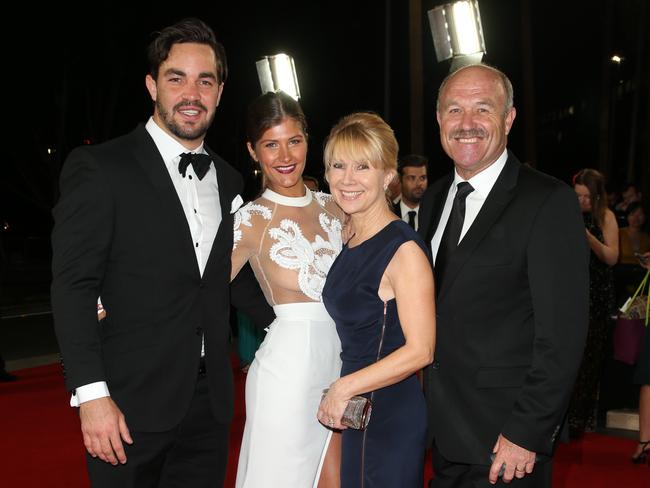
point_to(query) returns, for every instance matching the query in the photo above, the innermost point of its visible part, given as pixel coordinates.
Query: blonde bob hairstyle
(362, 137)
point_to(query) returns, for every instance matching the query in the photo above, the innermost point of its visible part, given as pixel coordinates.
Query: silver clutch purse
(357, 412)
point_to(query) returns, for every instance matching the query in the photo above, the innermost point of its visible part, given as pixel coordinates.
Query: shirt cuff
(92, 391)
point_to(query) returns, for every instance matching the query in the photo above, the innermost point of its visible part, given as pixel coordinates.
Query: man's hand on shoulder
(104, 428)
(518, 461)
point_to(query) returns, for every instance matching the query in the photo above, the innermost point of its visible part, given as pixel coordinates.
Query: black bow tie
(200, 163)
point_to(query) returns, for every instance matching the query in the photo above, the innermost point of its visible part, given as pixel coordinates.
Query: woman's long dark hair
(595, 183)
(269, 110)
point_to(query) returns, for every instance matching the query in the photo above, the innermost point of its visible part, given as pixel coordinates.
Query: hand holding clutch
(357, 412)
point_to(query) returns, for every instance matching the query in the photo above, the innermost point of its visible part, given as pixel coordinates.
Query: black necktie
(411, 214)
(200, 163)
(451, 234)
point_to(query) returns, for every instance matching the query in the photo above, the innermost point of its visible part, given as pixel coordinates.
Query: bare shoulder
(610, 219)
(409, 259)
(410, 250)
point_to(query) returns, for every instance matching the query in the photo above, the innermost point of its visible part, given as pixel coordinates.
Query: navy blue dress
(390, 452)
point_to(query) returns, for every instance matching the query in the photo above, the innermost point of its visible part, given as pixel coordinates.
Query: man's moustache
(468, 134)
(190, 105)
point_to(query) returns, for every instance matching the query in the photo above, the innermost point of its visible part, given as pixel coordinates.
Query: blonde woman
(379, 292)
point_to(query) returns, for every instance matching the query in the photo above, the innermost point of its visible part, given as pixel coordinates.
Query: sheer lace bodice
(290, 242)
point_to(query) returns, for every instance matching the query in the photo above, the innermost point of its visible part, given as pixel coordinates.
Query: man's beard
(414, 197)
(191, 133)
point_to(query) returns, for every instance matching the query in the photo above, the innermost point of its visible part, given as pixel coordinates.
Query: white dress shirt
(200, 198)
(482, 184)
(200, 201)
(404, 212)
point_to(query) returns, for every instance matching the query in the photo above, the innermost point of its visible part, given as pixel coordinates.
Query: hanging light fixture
(278, 72)
(457, 32)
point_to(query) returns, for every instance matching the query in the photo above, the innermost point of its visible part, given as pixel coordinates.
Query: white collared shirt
(404, 212)
(199, 198)
(482, 184)
(200, 202)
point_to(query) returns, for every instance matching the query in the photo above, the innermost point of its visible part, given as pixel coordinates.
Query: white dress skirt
(284, 444)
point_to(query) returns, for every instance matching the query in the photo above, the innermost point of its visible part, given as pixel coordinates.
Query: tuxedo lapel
(500, 196)
(151, 162)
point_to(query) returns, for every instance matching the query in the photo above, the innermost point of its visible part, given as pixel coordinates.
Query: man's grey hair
(505, 82)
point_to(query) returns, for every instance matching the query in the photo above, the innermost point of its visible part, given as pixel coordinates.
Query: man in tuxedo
(511, 268)
(145, 222)
(412, 170)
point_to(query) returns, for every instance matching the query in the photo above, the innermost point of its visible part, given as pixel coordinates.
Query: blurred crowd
(615, 224)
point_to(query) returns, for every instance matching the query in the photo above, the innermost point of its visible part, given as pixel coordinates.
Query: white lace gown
(291, 244)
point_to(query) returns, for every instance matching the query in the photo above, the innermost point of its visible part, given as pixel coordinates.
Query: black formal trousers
(512, 316)
(456, 475)
(193, 454)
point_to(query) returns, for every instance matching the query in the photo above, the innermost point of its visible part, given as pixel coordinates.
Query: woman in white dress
(290, 236)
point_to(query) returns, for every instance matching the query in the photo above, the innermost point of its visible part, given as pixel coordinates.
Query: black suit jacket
(511, 317)
(397, 210)
(120, 233)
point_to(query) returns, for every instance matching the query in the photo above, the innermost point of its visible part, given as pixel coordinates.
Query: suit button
(199, 331)
(435, 364)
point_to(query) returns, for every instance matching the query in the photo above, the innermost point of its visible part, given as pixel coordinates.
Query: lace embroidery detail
(243, 217)
(322, 198)
(312, 260)
(324, 260)
(292, 250)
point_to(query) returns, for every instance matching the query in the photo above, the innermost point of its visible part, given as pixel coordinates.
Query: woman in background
(602, 234)
(633, 241)
(642, 377)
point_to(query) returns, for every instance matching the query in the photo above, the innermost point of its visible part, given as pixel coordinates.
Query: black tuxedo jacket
(120, 233)
(511, 317)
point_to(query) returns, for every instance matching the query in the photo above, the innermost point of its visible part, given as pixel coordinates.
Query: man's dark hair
(413, 160)
(184, 31)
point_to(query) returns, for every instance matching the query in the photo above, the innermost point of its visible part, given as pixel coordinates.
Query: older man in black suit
(511, 268)
(145, 221)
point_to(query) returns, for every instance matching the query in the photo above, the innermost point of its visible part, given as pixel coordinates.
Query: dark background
(74, 77)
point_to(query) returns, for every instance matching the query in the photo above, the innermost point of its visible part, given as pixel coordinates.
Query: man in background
(412, 171)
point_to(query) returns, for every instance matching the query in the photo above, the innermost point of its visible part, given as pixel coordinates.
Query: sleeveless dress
(582, 408)
(290, 244)
(390, 452)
